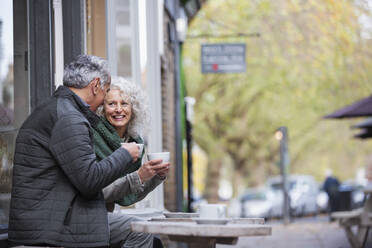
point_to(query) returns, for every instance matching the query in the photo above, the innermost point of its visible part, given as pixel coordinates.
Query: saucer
(211, 221)
(181, 215)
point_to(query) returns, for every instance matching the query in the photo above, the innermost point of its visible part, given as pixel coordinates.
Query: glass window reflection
(7, 127)
(123, 38)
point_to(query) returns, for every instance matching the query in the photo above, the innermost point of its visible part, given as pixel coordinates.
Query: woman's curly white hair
(139, 123)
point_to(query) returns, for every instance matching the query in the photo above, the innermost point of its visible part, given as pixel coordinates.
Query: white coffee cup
(159, 155)
(140, 146)
(212, 211)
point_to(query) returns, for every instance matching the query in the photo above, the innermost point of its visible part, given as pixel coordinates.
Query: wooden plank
(347, 214)
(350, 222)
(351, 237)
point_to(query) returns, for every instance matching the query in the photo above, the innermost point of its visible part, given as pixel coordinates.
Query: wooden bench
(345, 216)
(23, 246)
(360, 218)
(4, 243)
(348, 219)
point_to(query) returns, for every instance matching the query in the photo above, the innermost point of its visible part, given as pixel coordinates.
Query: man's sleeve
(72, 147)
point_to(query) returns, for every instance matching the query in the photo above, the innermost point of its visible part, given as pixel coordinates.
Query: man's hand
(133, 150)
(149, 169)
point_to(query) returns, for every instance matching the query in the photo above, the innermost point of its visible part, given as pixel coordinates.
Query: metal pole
(189, 105)
(177, 45)
(283, 171)
(189, 164)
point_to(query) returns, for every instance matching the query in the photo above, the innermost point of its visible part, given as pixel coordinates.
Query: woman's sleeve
(124, 187)
(149, 186)
(128, 190)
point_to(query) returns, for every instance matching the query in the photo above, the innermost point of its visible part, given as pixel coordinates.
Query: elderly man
(57, 197)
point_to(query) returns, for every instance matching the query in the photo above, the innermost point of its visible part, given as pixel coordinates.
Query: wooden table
(361, 218)
(203, 235)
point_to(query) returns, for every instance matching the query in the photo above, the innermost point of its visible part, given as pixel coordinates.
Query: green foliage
(309, 60)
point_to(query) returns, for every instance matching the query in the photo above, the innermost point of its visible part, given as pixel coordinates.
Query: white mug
(212, 211)
(159, 155)
(140, 146)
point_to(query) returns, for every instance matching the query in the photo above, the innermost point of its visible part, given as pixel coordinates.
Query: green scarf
(106, 141)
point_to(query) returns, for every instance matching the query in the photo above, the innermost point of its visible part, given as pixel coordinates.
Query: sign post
(282, 136)
(223, 58)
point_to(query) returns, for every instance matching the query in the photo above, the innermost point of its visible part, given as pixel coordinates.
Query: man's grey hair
(80, 72)
(139, 123)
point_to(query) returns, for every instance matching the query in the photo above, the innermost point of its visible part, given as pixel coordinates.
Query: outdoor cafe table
(203, 235)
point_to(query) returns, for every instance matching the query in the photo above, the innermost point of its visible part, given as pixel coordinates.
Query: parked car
(303, 193)
(261, 202)
(322, 201)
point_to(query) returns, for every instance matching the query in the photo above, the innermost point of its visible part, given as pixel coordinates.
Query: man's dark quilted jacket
(57, 183)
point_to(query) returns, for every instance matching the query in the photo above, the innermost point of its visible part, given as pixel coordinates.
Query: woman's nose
(118, 107)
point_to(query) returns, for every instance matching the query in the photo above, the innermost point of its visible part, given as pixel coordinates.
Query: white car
(261, 202)
(322, 201)
(303, 193)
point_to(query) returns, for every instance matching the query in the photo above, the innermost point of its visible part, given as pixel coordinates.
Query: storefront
(38, 37)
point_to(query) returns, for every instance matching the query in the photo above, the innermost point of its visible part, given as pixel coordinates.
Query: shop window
(7, 119)
(96, 27)
(123, 38)
(14, 91)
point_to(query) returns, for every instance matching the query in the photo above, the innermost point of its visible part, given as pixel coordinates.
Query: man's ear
(95, 84)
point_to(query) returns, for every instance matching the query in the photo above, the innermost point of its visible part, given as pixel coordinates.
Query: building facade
(139, 39)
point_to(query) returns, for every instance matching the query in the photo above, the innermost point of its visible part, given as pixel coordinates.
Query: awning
(360, 108)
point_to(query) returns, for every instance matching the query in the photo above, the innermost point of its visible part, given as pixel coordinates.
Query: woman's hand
(149, 169)
(163, 173)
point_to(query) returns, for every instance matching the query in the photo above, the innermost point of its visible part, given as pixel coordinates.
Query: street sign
(223, 58)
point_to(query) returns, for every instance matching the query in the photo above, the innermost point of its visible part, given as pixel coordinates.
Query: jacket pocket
(67, 219)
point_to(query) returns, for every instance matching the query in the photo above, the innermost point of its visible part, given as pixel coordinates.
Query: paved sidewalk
(310, 233)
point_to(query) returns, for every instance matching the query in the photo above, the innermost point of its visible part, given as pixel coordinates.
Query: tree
(311, 58)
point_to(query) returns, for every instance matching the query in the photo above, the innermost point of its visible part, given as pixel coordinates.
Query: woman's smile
(118, 117)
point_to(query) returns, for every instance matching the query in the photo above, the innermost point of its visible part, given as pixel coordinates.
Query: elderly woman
(124, 118)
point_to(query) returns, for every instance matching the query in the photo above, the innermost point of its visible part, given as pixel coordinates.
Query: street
(308, 232)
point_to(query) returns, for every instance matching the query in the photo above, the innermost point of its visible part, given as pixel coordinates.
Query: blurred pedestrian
(330, 186)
